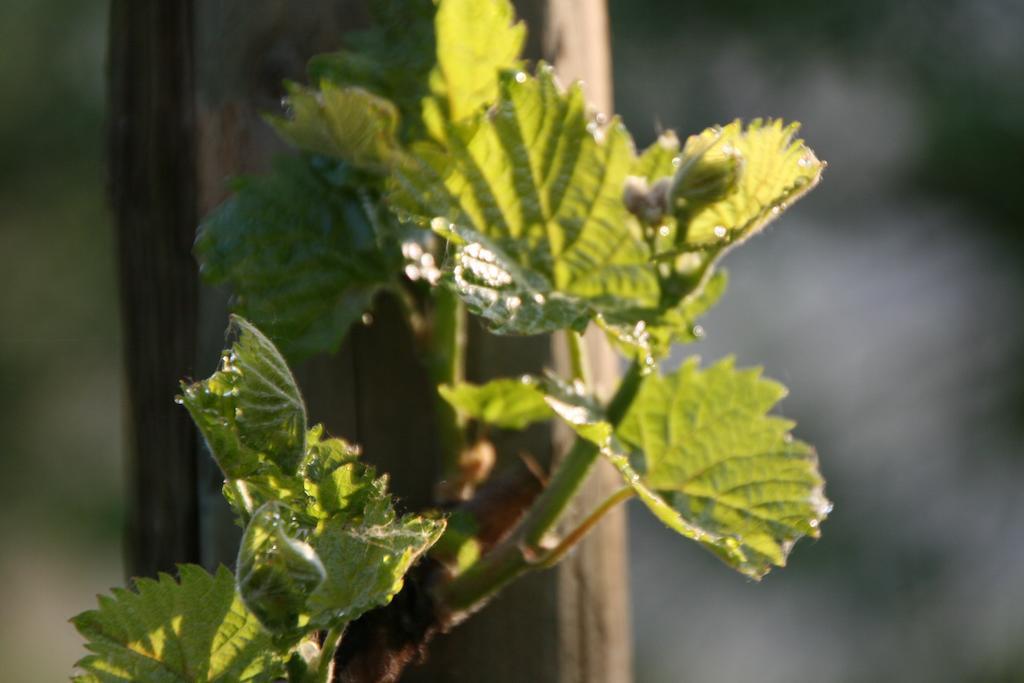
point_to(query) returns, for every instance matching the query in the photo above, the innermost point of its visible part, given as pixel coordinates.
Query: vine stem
(523, 549)
(447, 366)
(578, 365)
(323, 670)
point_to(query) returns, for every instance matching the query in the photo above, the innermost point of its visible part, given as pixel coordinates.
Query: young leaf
(701, 452)
(366, 559)
(518, 403)
(300, 251)
(364, 546)
(506, 403)
(247, 494)
(322, 544)
(319, 560)
(393, 58)
(197, 630)
(712, 464)
(777, 169)
(351, 124)
(437, 66)
(250, 411)
(531, 196)
(335, 481)
(723, 187)
(276, 571)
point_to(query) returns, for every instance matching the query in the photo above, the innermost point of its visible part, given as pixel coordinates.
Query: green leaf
(318, 560)
(323, 543)
(300, 250)
(518, 403)
(659, 160)
(458, 547)
(350, 523)
(476, 40)
(366, 559)
(676, 325)
(365, 547)
(247, 494)
(707, 459)
(530, 194)
(506, 403)
(576, 407)
(335, 481)
(437, 66)
(276, 571)
(724, 186)
(351, 124)
(393, 58)
(250, 411)
(197, 630)
(777, 169)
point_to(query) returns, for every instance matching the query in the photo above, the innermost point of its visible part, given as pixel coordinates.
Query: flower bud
(649, 203)
(709, 170)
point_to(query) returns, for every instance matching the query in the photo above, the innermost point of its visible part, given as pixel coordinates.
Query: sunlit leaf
(349, 123)
(476, 40)
(707, 459)
(247, 494)
(250, 411)
(531, 195)
(518, 403)
(507, 403)
(436, 64)
(722, 187)
(777, 169)
(336, 481)
(197, 630)
(701, 451)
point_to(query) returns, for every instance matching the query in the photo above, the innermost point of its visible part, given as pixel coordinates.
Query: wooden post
(153, 193)
(570, 624)
(567, 625)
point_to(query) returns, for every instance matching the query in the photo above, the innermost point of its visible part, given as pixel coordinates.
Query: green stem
(523, 549)
(578, 357)
(323, 666)
(447, 366)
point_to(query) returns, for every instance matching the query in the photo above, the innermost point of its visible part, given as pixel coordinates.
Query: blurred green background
(889, 301)
(60, 405)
